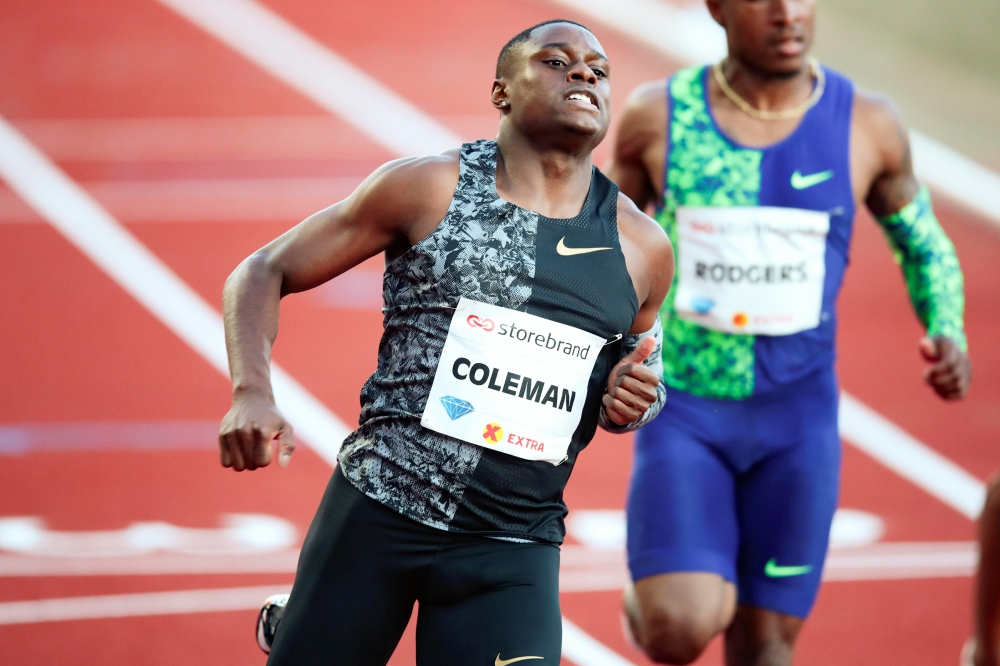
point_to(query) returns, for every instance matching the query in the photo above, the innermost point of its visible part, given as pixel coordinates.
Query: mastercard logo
(492, 433)
(740, 319)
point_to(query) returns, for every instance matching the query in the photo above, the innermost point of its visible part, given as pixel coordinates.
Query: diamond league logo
(456, 407)
(477, 322)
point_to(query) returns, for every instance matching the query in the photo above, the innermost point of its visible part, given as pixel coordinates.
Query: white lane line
(899, 561)
(962, 179)
(582, 569)
(895, 448)
(220, 138)
(75, 214)
(284, 200)
(153, 564)
(136, 605)
(319, 137)
(22, 438)
(140, 273)
(682, 33)
(690, 35)
(584, 650)
(314, 70)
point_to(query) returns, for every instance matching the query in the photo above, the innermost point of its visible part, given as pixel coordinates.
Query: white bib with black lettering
(751, 269)
(511, 381)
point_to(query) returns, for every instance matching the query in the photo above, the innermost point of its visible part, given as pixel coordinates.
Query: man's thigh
(786, 501)
(491, 602)
(681, 503)
(356, 583)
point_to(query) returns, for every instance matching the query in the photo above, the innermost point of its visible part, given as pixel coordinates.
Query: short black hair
(506, 53)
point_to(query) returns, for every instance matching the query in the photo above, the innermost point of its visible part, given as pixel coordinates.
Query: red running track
(76, 348)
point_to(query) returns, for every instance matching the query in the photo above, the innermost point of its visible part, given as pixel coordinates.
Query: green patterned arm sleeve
(930, 267)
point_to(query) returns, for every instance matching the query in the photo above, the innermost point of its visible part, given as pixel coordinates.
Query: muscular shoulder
(638, 227)
(637, 161)
(414, 183)
(409, 196)
(878, 122)
(880, 155)
(648, 252)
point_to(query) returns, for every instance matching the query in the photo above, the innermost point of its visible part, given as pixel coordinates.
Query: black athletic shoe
(267, 621)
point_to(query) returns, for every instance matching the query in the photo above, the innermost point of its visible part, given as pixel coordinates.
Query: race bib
(511, 381)
(751, 269)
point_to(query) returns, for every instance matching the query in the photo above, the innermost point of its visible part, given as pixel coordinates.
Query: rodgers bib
(751, 269)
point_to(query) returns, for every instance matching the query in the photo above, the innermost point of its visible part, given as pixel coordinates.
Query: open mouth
(584, 97)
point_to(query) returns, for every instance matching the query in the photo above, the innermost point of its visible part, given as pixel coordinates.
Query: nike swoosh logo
(801, 182)
(504, 662)
(570, 251)
(773, 570)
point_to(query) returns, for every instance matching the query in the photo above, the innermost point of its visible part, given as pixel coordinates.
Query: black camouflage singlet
(492, 251)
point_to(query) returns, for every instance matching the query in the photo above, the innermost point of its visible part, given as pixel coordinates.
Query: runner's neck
(551, 182)
(768, 92)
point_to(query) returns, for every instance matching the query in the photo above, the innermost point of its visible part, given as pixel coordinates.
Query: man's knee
(678, 635)
(674, 616)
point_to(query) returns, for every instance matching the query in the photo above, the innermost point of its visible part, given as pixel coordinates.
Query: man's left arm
(635, 392)
(927, 257)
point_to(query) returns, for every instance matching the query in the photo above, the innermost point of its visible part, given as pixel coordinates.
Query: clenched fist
(247, 431)
(631, 385)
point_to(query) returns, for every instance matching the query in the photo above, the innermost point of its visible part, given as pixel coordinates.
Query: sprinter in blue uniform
(755, 167)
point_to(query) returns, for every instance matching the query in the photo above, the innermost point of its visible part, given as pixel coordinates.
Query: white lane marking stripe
(887, 562)
(584, 650)
(283, 200)
(136, 605)
(21, 438)
(681, 33)
(690, 35)
(895, 448)
(962, 179)
(68, 208)
(314, 70)
(137, 270)
(582, 569)
(316, 137)
(319, 137)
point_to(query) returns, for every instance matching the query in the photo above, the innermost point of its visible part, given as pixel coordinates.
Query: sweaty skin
(545, 141)
(767, 41)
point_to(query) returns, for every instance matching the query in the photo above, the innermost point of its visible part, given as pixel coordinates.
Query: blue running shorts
(742, 488)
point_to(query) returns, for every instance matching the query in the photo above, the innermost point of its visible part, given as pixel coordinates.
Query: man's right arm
(396, 206)
(637, 162)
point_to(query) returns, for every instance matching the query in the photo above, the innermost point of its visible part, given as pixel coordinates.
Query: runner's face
(562, 83)
(773, 36)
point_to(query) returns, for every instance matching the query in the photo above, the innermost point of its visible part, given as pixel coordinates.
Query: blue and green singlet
(810, 169)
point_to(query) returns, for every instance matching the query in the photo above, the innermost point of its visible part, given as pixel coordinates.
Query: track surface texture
(107, 417)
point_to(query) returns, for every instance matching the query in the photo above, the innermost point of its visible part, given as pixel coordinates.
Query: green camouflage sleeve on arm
(930, 267)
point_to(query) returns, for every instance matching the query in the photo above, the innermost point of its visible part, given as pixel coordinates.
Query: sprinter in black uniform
(454, 499)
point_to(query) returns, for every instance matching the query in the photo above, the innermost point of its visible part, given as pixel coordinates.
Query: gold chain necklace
(786, 114)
